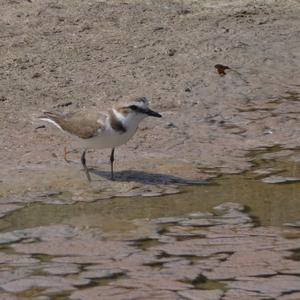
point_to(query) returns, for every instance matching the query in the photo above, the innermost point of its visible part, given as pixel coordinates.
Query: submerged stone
(102, 273)
(8, 208)
(280, 179)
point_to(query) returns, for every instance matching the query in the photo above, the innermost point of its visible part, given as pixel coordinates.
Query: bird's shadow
(146, 177)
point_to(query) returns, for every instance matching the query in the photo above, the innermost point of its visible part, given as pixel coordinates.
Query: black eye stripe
(133, 107)
(137, 108)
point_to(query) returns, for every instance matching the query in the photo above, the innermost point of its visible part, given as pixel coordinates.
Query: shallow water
(270, 204)
(124, 233)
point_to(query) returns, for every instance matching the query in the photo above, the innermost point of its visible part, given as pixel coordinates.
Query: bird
(100, 130)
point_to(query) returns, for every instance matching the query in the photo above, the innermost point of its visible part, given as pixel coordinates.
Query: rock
(267, 171)
(200, 215)
(294, 224)
(227, 206)
(290, 296)
(200, 222)
(10, 275)
(236, 294)
(61, 269)
(102, 273)
(62, 247)
(201, 294)
(10, 237)
(42, 233)
(280, 179)
(158, 282)
(17, 259)
(273, 155)
(82, 260)
(51, 283)
(119, 293)
(171, 191)
(245, 263)
(272, 287)
(8, 208)
(168, 220)
(151, 194)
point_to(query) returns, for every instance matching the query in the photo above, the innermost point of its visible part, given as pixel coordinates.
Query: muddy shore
(69, 55)
(225, 77)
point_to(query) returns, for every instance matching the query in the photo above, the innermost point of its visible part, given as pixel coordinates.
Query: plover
(99, 130)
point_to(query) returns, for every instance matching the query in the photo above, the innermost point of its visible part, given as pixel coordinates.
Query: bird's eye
(133, 107)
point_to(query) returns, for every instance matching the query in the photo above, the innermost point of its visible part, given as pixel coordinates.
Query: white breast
(109, 138)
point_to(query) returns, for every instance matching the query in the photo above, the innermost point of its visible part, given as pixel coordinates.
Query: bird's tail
(51, 118)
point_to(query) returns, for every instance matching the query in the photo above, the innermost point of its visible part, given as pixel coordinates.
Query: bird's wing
(82, 124)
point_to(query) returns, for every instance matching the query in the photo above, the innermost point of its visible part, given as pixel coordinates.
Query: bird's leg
(65, 154)
(112, 159)
(83, 161)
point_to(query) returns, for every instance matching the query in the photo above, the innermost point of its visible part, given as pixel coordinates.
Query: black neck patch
(116, 124)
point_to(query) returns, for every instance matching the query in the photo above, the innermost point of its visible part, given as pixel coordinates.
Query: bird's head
(137, 109)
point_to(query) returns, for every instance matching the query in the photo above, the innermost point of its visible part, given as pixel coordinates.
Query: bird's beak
(152, 113)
